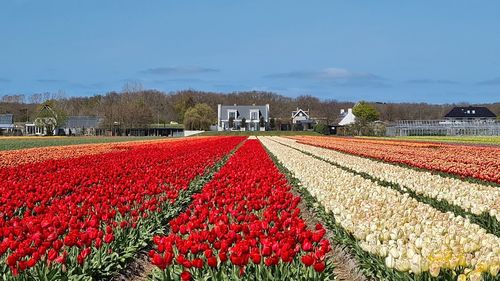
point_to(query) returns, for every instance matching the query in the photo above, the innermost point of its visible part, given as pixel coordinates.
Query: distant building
(460, 121)
(302, 119)
(230, 117)
(345, 118)
(6, 123)
(82, 125)
(470, 113)
(45, 123)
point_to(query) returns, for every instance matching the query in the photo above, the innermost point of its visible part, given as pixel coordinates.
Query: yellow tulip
(434, 270)
(494, 270)
(475, 276)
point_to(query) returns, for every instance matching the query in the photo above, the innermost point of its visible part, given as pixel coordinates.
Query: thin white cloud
(335, 76)
(331, 73)
(179, 70)
(51, 81)
(431, 81)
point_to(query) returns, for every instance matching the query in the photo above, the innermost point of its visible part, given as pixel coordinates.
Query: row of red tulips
(245, 224)
(90, 214)
(478, 162)
(11, 158)
(31, 187)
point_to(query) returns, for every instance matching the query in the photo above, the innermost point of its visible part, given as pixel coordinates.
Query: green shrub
(322, 129)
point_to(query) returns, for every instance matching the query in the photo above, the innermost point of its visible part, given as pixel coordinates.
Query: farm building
(48, 123)
(82, 126)
(242, 117)
(470, 113)
(460, 121)
(301, 119)
(164, 130)
(6, 123)
(45, 123)
(345, 118)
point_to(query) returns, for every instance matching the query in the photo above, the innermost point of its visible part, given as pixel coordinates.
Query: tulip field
(251, 208)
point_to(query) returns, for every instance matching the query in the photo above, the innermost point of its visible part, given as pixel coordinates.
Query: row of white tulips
(411, 236)
(471, 197)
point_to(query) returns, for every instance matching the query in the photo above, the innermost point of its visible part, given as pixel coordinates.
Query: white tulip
(472, 197)
(409, 234)
(389, 261)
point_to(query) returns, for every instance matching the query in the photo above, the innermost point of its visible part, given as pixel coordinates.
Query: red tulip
(52, 255)
(109, 238)
(185, 275)
(212, 261)
(307, 260)
(223, 257)
(255, 256)
(12, 260)
(159, 261)
(307, 246)
(319, 266)
(198, 263)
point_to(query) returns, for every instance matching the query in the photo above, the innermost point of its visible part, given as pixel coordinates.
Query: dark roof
(83, 122)
(243, 111)
(470, 112)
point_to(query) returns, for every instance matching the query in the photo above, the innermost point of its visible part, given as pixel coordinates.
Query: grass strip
(13, 143)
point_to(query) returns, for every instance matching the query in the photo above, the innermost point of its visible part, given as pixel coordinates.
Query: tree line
(136, 107)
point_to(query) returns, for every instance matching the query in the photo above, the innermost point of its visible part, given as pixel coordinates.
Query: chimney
(349, 111)
(234, 104)
(342, 111)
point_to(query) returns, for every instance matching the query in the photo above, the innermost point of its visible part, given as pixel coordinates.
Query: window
(231, 113)
(254, 114)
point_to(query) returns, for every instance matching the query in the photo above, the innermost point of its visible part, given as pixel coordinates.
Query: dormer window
(254, 114)
(231, 113)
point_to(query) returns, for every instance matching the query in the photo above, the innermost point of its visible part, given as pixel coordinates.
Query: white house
(346, 117)
(242, 117)
(302, 117)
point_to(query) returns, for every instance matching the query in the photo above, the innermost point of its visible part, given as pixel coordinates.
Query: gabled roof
(243, 111)
(470, 112)
(299, 110)
(46, 112)
(339, 118)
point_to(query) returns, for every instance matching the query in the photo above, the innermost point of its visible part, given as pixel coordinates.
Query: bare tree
(132, 86)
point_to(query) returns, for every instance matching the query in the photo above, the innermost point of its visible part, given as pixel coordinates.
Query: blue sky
(423, 51)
